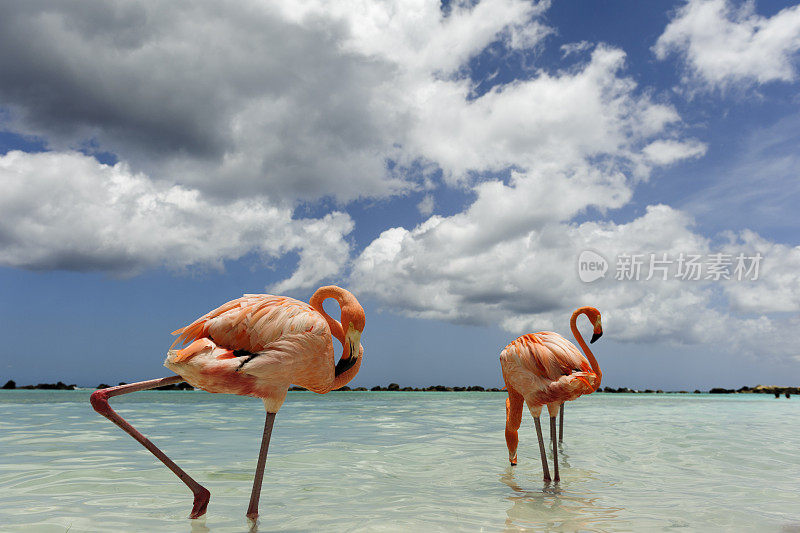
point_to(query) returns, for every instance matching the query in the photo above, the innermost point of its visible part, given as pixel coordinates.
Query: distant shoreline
(394, 387)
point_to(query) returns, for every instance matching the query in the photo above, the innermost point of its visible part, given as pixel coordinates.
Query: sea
(401, 461)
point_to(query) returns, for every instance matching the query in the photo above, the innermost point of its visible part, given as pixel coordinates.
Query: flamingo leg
(555, 447)
(252, 509)
(99, 400)
(513, 419)
(561, 423)
(545, 467)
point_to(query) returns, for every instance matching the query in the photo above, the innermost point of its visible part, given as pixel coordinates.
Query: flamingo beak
(349, 358)
(353, 341)
(598, 330)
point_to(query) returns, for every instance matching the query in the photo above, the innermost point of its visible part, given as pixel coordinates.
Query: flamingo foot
(252, 521)
(200, 506)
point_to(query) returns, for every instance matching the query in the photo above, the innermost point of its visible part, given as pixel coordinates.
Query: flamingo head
(353, 320)
(594, 316)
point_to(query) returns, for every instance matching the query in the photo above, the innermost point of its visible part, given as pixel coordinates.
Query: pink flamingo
(546, 369)
(256, 345)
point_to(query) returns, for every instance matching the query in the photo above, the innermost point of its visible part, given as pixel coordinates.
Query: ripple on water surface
(401, 461)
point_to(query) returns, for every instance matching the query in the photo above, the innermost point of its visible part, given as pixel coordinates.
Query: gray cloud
(227, 96)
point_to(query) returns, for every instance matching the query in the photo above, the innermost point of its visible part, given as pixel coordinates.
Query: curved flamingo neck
(589, 355)
(338, 294)
(347, 302)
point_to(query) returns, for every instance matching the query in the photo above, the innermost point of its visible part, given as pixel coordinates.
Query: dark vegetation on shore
(11, 384)
(758, 389)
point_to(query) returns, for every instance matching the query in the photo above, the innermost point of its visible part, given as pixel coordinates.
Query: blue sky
(446, 163)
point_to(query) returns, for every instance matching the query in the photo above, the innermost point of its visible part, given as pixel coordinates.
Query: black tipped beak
(346, 363)
(595, 337)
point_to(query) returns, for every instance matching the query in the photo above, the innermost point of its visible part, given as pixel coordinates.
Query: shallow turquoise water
(401, 462)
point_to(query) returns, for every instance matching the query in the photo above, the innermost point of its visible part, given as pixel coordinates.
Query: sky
(447, 162)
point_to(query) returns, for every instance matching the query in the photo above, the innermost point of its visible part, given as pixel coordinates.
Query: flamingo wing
(547, 355)
(564, 358)
(251, 323)
(568, 360)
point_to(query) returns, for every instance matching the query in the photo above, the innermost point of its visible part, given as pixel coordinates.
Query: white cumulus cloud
(245, 107)
(67, 211)
(725, 45)
(528, 281)
(664, 152)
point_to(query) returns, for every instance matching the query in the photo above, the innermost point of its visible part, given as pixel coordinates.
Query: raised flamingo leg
(545, 467)
(555, 447)
(252, 509)
(561, 423)
(99, 401)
